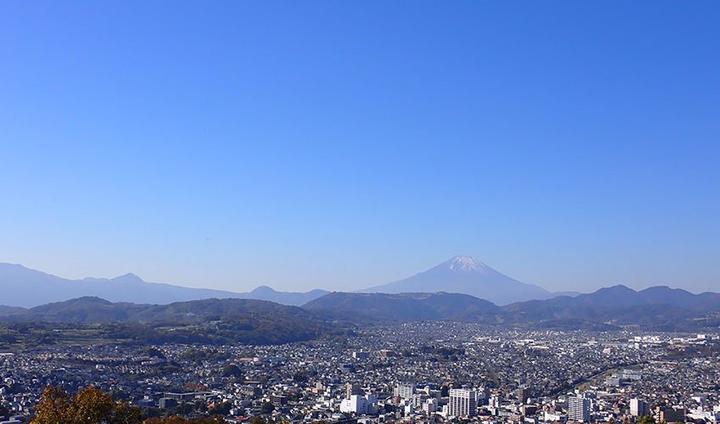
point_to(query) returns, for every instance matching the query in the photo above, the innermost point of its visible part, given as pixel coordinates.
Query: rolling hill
(198, 321)
(654, 307)
(405, 306)
(657, 307)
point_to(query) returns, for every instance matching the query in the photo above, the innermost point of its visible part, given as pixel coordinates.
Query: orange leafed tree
(53, 407)
(88, 406)
(93, 406)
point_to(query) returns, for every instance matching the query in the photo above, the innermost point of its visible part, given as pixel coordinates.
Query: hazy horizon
(344, 145)
(248, 288)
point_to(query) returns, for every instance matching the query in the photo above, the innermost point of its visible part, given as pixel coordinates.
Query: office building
(359, 405)
(638, 408)
(462, 403)
(405, 390)
(351, 389)
(578, 409)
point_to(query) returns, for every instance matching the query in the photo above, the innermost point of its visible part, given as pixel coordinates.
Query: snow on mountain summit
(466, 275)
(465, 263)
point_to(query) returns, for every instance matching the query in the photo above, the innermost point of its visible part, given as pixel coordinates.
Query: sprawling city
(411, 372)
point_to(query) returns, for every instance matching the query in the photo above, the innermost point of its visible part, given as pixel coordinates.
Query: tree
(93, 406)
(232, 370)
(155, 353)
(126, 414)
(89, 406)
(267, 407)
(647, 419)
(53, 406)
(222, 408)
(301, 377)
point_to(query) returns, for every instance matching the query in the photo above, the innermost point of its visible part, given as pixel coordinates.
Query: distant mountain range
(461, 289)
(258, 321)
(21, 286)
(660, 307)
(464, 274)
(91, 309)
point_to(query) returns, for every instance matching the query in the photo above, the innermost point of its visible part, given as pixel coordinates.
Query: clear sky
(344, 144)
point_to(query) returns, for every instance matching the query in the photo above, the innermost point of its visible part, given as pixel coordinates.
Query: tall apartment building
(672, 415)
(638, 408)
(352, 389)
(578, 409)
(462, 403)
(405, 390)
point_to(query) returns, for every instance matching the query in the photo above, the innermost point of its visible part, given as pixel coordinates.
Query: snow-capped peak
(465, 263)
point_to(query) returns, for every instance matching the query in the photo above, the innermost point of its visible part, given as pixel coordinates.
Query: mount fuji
(466, 275)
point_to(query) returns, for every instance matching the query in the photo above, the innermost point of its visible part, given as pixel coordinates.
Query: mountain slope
(405, 306)
(658, 307)
(26, 287)
(463, 274)
(257, 321)
(11, 310)
(198, 321)
(88, 309)
(654, 307)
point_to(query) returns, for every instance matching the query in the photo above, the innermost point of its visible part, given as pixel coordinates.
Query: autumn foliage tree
(89, 406)
(53, 406)
(93, 406)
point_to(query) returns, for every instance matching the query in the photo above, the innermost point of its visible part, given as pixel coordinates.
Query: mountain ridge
(656, 307)
(206, 321)
(26, 287)
(405, 306)
(653, 308)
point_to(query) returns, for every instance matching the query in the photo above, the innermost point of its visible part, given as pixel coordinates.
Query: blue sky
(345, 144)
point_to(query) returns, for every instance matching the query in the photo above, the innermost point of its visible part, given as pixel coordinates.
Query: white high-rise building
(578, 409)
(360, 405)
(463, 403)
(405, 390)
(638, 408)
